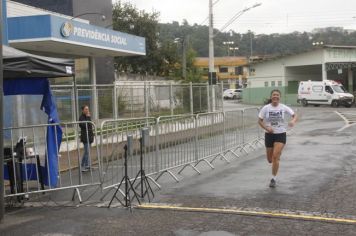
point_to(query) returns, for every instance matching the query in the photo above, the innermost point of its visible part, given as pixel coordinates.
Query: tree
(127, 18)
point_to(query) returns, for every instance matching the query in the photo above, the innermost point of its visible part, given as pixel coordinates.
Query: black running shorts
(270, 139)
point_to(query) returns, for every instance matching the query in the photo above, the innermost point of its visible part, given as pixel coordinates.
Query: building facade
(328, 62)
(232, 71)
(105, 71)
(54, 34)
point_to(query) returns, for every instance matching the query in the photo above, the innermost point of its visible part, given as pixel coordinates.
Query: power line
(207, 18)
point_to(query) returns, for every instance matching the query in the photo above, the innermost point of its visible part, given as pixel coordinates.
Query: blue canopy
(27, 74)
(40, 86)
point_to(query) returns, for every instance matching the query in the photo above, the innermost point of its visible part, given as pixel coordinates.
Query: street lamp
(228, 43)
(212, 74)
(103, 17)
(184, 54)
(234, 49)
(211, 34)
(126, 20)
(321, 43)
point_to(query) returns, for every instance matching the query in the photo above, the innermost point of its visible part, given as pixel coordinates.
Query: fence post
(196, 138)
(191, 98)
(157, 145)
(171, 97)
(74, 96)
(222, 96)
(131, 99)
(243, 127)
(115, 102)
(95, 102)
(200, 98)
(145, 95)
(208, 95)
(224, 131)
(213, 98)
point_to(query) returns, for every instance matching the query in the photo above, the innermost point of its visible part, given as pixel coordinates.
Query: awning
(19, 64)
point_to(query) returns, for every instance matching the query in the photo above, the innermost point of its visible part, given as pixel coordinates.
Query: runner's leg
(269, 153)
(277, 151)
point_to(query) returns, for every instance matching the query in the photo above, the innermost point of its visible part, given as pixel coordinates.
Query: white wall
(266, 72)
(340, 55)
(278, 69)
(314, 57)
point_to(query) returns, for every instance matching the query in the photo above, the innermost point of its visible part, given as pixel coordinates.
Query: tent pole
(2, 182)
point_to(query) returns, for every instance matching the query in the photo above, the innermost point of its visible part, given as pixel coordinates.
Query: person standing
(272, 120)
(86, 136)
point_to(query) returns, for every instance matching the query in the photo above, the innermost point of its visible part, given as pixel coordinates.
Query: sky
(273, 16)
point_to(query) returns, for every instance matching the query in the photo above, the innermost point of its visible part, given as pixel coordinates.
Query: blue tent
(27, 74)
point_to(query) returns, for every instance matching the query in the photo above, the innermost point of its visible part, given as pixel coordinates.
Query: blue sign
(45, 27)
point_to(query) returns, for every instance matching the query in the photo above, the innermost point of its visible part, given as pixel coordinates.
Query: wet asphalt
(317, 177)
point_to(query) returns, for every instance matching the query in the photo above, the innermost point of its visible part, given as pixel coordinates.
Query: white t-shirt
(274, 117)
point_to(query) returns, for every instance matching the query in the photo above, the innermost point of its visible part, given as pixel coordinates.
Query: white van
(323, 92)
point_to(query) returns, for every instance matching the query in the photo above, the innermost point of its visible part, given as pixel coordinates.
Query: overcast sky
(273, 16)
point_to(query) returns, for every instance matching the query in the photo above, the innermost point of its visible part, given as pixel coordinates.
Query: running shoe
(272, 184)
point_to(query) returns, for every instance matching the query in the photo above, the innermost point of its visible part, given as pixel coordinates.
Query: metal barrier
(36, 164)
(113, 139)
(234, 132)
(252, 131)
(210, 135)
(174, 142)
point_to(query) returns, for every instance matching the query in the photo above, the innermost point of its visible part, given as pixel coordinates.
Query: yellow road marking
(249, 213)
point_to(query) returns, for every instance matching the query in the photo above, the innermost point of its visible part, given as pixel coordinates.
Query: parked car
(232, 94)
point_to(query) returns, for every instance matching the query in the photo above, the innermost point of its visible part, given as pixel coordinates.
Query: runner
(272, 120)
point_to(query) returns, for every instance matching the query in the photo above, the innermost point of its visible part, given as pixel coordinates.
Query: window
(273, 83)
(293, 87)
(266, 84)
(328, 89)
(238, 70)
(317, 88)
(279, 83)
(223, 70)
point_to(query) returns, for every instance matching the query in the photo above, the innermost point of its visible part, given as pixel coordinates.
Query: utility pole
(211, 41)
(212, 74)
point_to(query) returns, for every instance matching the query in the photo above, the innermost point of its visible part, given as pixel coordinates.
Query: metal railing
(174, 142)
(177, 142)
(35, 163)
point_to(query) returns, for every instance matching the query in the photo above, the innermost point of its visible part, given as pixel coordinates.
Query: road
(315, 194)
